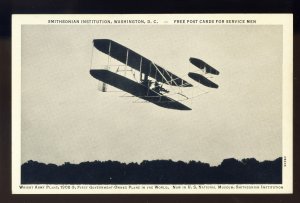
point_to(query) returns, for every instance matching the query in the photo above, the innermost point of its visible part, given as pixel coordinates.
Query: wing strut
(141, 69)
(126, 63)
(161, 74)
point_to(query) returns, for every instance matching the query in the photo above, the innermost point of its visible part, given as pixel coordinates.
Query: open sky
(66, 119)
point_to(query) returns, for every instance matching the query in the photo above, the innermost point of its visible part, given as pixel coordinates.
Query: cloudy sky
(66, 119)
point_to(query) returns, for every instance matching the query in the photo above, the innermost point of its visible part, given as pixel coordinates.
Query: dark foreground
(230, 171)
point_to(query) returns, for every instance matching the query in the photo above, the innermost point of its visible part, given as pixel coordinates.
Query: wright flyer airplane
(136, 76)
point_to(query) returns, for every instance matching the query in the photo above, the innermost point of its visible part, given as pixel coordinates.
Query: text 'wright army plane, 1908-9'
(140, 77)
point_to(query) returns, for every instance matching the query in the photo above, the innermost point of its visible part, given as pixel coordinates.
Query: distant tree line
(230, 171)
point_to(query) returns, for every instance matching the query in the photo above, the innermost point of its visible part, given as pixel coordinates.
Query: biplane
(139, 77)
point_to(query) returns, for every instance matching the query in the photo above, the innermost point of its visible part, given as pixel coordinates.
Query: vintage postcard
(152, 104)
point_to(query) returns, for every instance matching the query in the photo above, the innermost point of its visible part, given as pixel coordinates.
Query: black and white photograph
(152, 104)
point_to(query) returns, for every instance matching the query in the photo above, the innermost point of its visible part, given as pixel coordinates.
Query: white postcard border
(286, 20)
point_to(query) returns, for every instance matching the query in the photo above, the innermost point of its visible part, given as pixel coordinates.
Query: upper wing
(136, 89)
(202, 65)
(138, 62)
